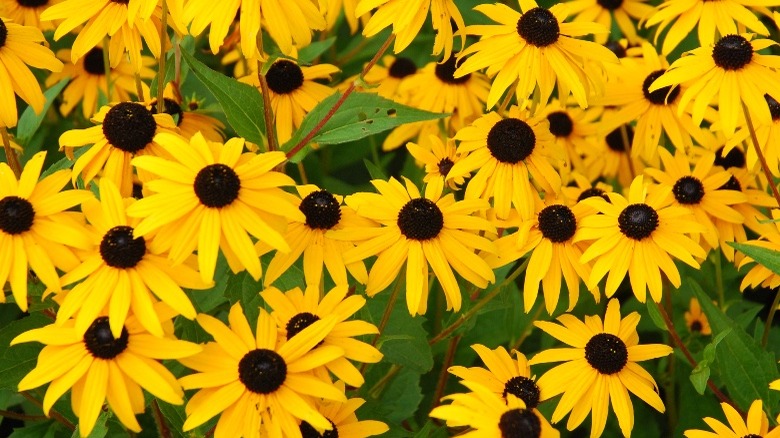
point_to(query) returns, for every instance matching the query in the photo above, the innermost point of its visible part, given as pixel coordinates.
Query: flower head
(757, 424)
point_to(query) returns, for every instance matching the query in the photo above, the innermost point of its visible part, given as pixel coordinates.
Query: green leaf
(361, 115)
(398, 402)
(18, 360)
(47, 429)
(655, 315)
(30, 121)
(174, 418)
(374, 171)
(307, 54)
(699, 377)
(187, 44)
(765, 257)
(242, 103)
(744, 366)
(244, 289)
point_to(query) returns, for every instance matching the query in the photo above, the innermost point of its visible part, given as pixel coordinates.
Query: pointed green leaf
(765, 257)
(30, 121)
(242, 103)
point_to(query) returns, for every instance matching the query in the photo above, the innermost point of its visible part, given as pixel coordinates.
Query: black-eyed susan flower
(535, 49)
(36, 232)
(289, 23)
(624, 12)
(99, 367)
(420, 231)
(342, 417)
(125, 23)
(701, 190)
(767, 135)
(574, 130)
(27, 12)
(489, 415)
(323, 211)
(122, 270)
(407, 17)
(438, 158)
(696, 320)
(579, 187)
(88, 79)
(295, 310)
(731, 70)
(612, 159)
(709, 18)
(212, 196)
(387, 75)
(506, 153)
(243, 376)
(187, 117)
(434, 88)
(123, 130)
(600, 368)
(549, 236)
(656, 113)
(757, 424)
(638, 235)
(294, 92)
(503, 375)
(21, 46)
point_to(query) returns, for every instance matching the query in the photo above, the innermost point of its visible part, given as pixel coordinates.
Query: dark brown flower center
(284, 77)
(120, 250)
(561, 124)
(129, 126)
(32, 3)
(557, 223)
(511, 140)
(661, 96)
(593, 192)
(731, 184)
(262, 371)
(308, 431)
(732, 52)
(688, 190)
(16, 215)
(696, 326)
(321, 209)
(445, 165)
(3, 33)
(420, 219)
(616, 48)
(299, 322)
(638, 221)
(735, 158)
(171, 107)
(100, 342)
(523, 388)
(615, 139)
(446, 72)
(539, 27)
(402, 67)
(520, 423)
(774, 107)
(606, 353)
(93, 62)
(217, 185)
(610, 4)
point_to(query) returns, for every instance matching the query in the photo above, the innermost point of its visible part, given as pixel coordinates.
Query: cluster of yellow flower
(539, 121)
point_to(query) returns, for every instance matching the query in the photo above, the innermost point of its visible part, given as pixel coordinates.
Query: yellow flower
(600, 367)
(120, 272)
(100, 367)
(188, 120)
(210, 197)
(27, 13)
(246, 376)
(36, 231)
(295, 310)
(420, 231)
(696, 320)
(757, 424)
(438, 158)
(342, 417)
(603, 12)
(535, 49)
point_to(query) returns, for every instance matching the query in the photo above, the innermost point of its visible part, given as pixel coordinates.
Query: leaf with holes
(361, 115)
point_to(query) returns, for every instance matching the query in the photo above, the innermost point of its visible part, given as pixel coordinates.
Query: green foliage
(18, 360)
(242, 103)
(29, 122)
(361, 115)
(745, 367)
(765, 257)
(701, 374)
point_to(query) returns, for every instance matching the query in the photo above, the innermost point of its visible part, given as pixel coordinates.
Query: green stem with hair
(770, 318)
(268, 111)
(10, 154)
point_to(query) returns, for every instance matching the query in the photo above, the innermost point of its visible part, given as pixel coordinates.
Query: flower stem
(679, 343)
(449, 356)
(386, 315)
(52, 413)
(159, 419)
(22, 417)
(139, 88)
(760, 153)
(627, 146)
(10, 155)
(305, 140)
(161, 64)
(719, 279)
(479, 305)
(770, 318)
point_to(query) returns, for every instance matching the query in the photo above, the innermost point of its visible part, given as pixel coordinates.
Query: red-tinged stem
(52, 413)
(449, 356)
(760, 153)
(341, 100)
